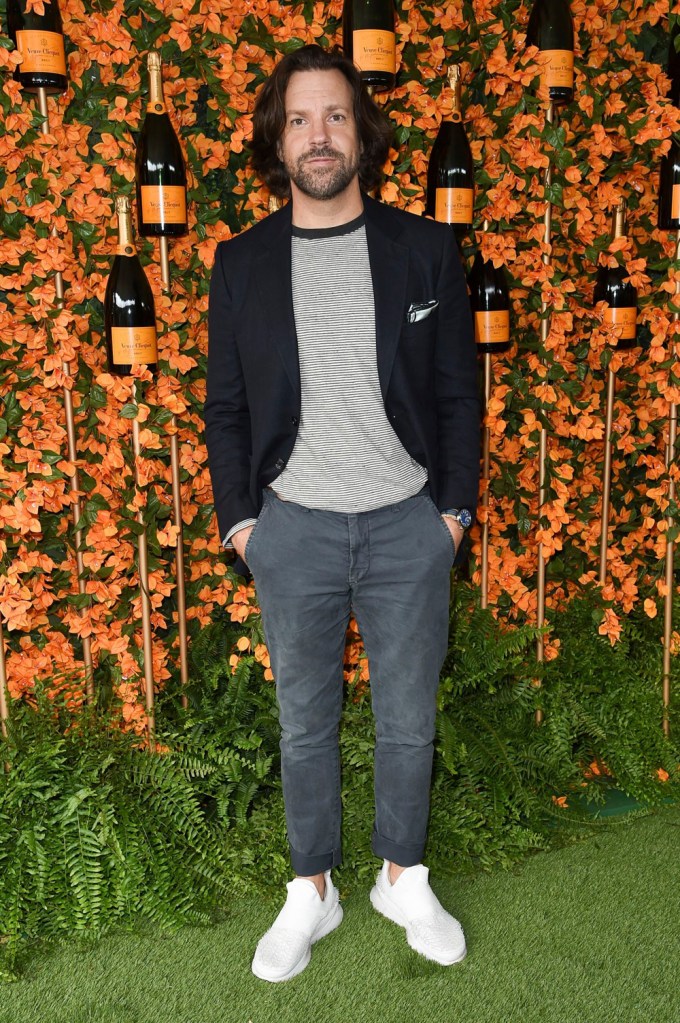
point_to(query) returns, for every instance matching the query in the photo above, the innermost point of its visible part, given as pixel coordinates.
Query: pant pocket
(442, 526)
(248, 551)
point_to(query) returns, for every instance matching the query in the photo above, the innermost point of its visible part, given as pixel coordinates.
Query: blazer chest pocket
(419, 311)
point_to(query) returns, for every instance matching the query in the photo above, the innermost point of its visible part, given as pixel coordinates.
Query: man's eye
(337, 117)
(296, 120)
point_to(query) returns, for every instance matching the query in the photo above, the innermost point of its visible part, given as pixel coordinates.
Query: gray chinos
(391, 568)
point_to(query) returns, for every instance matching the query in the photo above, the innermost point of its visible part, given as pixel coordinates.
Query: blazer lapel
(389, 270)
(276, 293)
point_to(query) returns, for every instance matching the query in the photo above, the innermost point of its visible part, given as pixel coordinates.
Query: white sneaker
(411, 903)
(286, 947)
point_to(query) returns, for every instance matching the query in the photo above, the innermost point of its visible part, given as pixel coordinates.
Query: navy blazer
(427, 369)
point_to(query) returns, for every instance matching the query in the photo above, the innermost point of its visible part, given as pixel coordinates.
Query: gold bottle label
(374, 50)
(164, 204)
(492, 328)
(134, 345)
(42, 52)
(559, 72)
(454, 205)
(624, 317)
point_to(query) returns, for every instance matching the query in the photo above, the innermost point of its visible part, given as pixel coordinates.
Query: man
(342, 423)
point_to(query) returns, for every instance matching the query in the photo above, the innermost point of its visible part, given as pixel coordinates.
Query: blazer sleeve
(456, 387)
(226, 415)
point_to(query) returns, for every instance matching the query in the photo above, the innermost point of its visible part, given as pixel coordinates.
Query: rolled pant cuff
(402, 855)
(305, 866)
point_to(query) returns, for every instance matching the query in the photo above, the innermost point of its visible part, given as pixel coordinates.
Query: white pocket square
(419, 310)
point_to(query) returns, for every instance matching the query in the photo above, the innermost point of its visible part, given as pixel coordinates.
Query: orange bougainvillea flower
(498, 248)
(610, 626)
(262, 655)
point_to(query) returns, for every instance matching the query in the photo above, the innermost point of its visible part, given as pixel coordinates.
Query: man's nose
(319, 132)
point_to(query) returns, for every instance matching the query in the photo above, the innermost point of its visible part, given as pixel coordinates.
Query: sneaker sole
(327, 925)
(388, 910)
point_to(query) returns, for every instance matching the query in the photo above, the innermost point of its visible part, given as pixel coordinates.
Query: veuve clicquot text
(161, 175)
(129, 315)
(621, 298)
(369, 39)
(40, 40)
(450, 171)
(490, 305)
(551, 29)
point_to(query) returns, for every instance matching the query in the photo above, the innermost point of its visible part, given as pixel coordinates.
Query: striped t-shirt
(347, 457)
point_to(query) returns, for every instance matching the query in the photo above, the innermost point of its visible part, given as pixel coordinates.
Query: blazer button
(294, 420)
(280, 464)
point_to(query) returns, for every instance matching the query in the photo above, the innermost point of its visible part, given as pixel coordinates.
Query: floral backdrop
(605, 145)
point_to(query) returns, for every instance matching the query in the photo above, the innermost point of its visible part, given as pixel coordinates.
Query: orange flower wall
(605, 145)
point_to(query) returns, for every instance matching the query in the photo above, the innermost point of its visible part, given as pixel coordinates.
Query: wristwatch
(463, 516)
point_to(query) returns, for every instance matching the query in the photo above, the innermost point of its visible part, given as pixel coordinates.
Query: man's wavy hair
(269, 119)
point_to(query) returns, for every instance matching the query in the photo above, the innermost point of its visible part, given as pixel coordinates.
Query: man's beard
(323, 182)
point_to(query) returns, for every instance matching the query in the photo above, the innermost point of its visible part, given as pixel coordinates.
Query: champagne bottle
(669, 189)
(129, 315)
(40, 40)
(551, 29)
(450, 171)
(621, 298)
(674, 67)
(490, 304)
(161, 176)
(669, 172)
(369, 39)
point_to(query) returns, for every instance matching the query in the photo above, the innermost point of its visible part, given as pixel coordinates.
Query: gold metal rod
(72, 450)
(177, 512)
(543, 440)
(607, 474)
(144, 590)
(165, 261)
(670, 575)
(179, 557)
(486, 472)
(670, 544)
(540, 617)
(42, 106)
(4, 707)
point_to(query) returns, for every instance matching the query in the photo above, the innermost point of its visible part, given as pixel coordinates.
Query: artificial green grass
(589, 933)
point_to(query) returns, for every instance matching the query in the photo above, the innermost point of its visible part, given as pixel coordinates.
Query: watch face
(464, 517)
